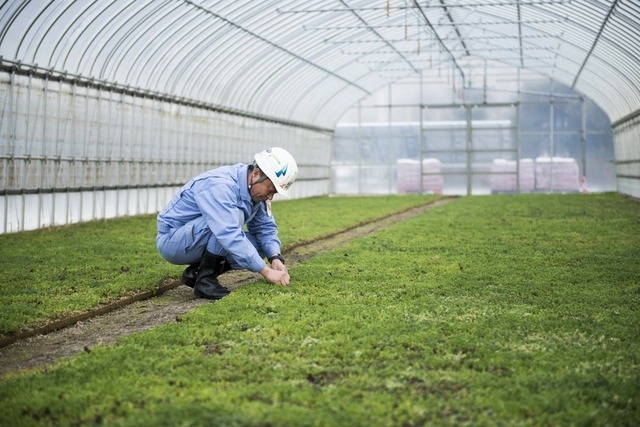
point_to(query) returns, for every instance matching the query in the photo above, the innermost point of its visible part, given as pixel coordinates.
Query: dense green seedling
(306, 219)
(48, 274)
(487, 311)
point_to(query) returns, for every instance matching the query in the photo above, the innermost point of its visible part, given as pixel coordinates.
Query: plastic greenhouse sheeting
(108, 105)
(309, 61)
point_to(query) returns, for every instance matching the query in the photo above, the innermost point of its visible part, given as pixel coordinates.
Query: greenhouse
(108, 107)
(455, 187)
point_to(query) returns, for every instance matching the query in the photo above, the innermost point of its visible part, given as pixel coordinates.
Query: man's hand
(279, 265)
(277, 274)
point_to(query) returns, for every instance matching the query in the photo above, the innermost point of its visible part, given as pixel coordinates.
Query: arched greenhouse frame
(108, 107)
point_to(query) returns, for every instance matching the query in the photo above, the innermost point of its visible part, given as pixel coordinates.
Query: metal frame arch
(597, 45)
(133, 22)
(233, 68)
(100, 33)
(630, 59)
(631, 24)
(630, 50)
(616, 88)
(541, 14)
(51, 61)
(112, 37)
(267, 94)
(565, 43)
(63, 41)
(259, 71)
(538, 33)
(500, 35)
(229, 83)
(288, 85)
(300, 80)
(328, 93)
(625, 91)
(200, 60)
(306, 103)
(329, 105)
(152, 48)
(321, 51)
(371, 29)
(223, 58)
(631, 69)
(135, 39)
(157, 71)
(598, 38)
(12, 18)
(601, 99)
(33, 37)
(238, 26)
(248, 18)
(94, 39)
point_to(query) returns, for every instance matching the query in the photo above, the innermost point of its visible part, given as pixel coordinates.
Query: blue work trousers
(186, 245)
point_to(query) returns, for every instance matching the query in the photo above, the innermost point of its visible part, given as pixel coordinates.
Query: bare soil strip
(103, 326)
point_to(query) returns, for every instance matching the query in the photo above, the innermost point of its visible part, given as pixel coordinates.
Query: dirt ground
(45, 349)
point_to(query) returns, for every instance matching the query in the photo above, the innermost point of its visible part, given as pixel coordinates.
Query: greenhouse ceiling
(308, 61)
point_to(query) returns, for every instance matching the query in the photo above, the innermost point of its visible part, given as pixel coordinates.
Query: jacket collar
(243, 181)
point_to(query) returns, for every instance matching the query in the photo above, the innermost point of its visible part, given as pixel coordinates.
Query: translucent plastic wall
(627, 146)
(532, 135)
(108, 106)
(73, 152)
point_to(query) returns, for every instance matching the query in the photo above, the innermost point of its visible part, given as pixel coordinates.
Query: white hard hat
(279, 166)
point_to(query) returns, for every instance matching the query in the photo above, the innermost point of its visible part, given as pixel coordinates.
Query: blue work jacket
(221, 196)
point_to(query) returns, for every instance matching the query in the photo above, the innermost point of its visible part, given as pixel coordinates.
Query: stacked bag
(504, 172)
(557, 174)
(408, 176)
(544, 174)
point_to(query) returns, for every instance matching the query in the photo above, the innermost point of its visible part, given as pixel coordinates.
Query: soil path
(100, 328)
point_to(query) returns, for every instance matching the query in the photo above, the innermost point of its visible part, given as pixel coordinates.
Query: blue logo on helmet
(282, 171)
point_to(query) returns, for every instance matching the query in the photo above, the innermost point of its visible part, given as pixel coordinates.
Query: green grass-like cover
(501, 310)
(306, 219)
(49, 274)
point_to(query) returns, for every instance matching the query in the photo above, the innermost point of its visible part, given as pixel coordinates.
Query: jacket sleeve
(218, 202)
(263, 226)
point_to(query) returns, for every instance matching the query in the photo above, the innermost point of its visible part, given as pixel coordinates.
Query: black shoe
(227, 267)
(207, 285)
(190, 274)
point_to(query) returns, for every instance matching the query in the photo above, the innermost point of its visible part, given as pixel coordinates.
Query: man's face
(262, 191)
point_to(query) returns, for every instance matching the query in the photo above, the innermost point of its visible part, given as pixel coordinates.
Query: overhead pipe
(440, 41)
